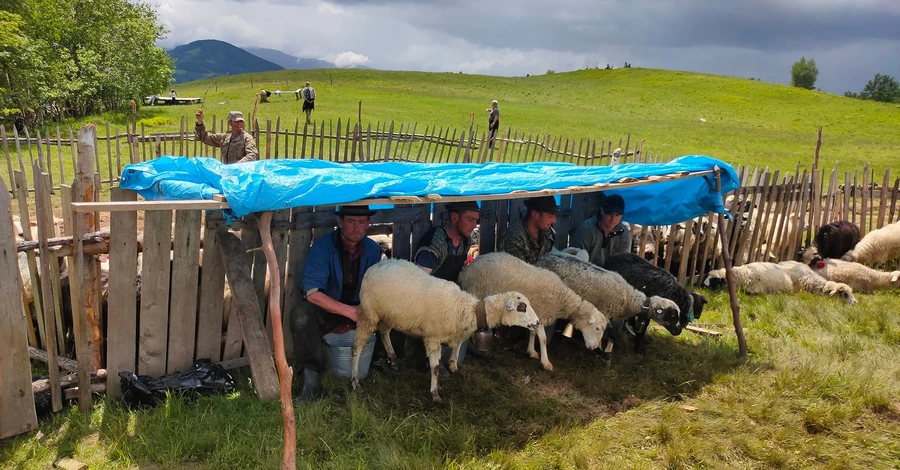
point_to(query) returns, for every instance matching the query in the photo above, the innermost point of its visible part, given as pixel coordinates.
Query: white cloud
(347, 59)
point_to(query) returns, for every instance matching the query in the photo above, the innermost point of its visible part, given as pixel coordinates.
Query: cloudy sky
(850, 40)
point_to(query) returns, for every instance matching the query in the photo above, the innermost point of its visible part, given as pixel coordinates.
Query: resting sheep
(878, 246)
(836, 238)
(610, 292)
(858, 276)
(550, 297)
(397, 294)
(652, 280)
(787, 276)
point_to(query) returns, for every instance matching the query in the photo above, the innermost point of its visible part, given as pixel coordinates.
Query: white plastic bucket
(339, 354)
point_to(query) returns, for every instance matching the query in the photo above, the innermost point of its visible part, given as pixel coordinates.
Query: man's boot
(312, 386)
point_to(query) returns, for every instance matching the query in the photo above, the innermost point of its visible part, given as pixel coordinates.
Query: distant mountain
(288, 61)
(211, 58)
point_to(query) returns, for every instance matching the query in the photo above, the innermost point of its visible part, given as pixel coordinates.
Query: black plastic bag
(204, 378)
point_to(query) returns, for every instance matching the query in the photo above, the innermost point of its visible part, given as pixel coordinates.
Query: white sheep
(858, 276)
(878, 246)
(551, 298)
(784, 277)
(610, 292)
(397, 294)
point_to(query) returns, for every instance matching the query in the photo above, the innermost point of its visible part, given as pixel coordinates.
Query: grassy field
(819, 390)
(747, 121)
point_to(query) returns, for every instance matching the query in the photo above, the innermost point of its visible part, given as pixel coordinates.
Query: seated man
(442, 251)
(330, 284)
(532, 238)
(604, 235)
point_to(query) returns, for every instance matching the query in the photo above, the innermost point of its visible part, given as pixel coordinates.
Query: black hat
(463, 206)
(542, 204)
(354, 210)
(613, 203)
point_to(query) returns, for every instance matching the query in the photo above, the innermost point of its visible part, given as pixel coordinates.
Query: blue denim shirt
(323, 272)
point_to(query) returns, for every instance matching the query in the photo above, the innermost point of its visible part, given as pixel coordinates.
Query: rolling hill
(210, 58)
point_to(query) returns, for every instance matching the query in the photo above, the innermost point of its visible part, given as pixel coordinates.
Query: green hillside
(210, 58)
(746, 121)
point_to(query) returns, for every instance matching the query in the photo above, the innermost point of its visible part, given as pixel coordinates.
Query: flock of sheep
(564, 285)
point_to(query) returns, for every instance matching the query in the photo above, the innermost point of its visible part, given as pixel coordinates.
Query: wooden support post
(284, 371)
(85, 192)
(729, 277)
(17, 414)
(262, 368)
(121, 347)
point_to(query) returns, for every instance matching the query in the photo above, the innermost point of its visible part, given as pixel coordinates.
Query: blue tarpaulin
(280, 184)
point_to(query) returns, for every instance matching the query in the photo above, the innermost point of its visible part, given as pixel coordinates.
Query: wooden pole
(818, 146)
(284, 371)
(44, 213)
(729, 276)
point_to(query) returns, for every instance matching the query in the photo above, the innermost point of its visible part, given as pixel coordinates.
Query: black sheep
(652, 280)
(836, 238)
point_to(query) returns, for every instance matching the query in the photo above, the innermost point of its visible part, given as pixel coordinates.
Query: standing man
(604, 235)
(309, 101)
(531, 239)
(332, 275)
(237, 146)
(443, 251)
(493, 122)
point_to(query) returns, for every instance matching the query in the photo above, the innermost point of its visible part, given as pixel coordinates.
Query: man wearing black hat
(604, 235)
(442, 251)
(532, 238)
(332, 274)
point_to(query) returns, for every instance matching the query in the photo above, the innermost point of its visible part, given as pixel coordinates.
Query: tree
(882, 88)
(804, 73)
(76, 57)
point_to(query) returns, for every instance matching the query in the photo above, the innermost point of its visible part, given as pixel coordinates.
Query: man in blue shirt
(332, 275)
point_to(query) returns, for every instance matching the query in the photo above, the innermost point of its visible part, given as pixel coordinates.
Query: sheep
(787, 276)
(858, 276)
(649, 245)
(385, 244)
(878, 246)
(610, 292)
(836, 238)
(498, 272)
(397, 294)
(652, 280)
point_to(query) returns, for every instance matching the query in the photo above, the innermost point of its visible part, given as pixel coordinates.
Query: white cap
(494, 102)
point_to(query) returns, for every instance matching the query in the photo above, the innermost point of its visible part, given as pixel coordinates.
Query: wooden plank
(44, 214)
(24, 218)
(212, 284)
(337, 150)
(268, 139)
(185, 277)
(298, 246)
(115, 206)
(252, 241)
(894, 199)
(686, 244)
(402, 247)
(420, 227)
(277, 130)
(864, 213)
(121, 345)
(12, 181)
(155, 274)
(882, 205)
(109, 151)
(387, 145)
(762, 215)
(119, 157)
(487, 242)
(322, 141)
(262, 365)
(17, 413)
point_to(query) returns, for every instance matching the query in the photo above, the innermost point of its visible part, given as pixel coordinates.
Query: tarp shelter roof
(283, 183)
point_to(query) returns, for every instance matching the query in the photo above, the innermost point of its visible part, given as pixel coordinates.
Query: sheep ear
(895, 277)
(510, 305)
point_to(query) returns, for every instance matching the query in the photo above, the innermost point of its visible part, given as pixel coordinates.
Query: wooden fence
(343, 141)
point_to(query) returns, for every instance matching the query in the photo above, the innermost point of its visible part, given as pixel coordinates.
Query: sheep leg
(640, 332)
(363, 333)
(542, 336)
(531, 340)
(454, 356)
(433, 350)
(388, 346)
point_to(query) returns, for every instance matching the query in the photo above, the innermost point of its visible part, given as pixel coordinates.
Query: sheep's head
(699, 302)
(516, 309)
(895, 278)
(715, 279)
(810, 255)
(591, 323)
(666, 313)
(839, 289)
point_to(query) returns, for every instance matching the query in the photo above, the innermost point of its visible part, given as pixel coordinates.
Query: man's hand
(199, 116)
(350, 312)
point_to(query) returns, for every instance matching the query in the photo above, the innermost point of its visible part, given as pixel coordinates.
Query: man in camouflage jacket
(237, 146)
